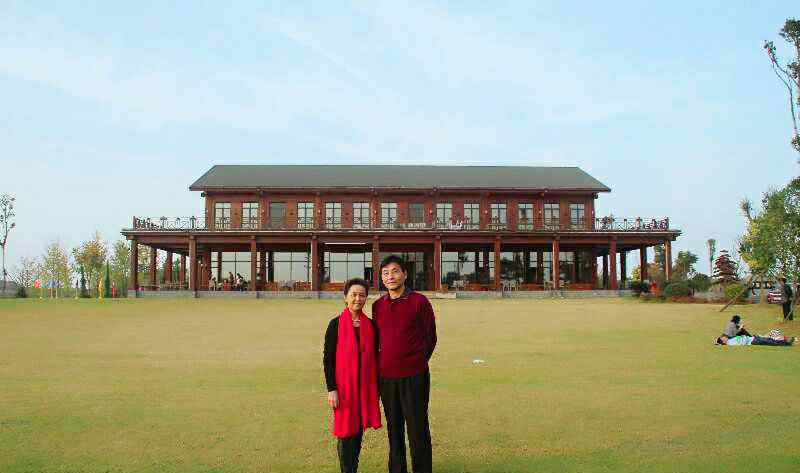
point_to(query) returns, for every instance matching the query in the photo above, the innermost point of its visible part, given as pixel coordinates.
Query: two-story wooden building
(462, 228)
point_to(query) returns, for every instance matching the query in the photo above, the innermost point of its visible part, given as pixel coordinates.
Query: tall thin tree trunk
(4, 269)
(762, 300)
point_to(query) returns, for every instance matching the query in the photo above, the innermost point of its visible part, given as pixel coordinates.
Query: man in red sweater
(406, 330)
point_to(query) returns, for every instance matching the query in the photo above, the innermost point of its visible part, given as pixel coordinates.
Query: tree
(789, 74)
(6, 225)
(757, 245)
(725, 269)
(55, 266)
(684, 264)
(712, 253)
(107, 283)
(120, 265)
(91, 255)
(26, 272)
(83, 290)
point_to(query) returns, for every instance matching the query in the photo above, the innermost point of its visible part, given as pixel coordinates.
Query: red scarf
(358, 403)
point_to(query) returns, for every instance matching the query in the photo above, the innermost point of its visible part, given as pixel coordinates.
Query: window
(577, 216)
(525, 216)
(333, 215)
(339, 267)
(291, 266)
(472, 215)
(250, 217)
(233, 263)
(499, 217)
(416, 213)
(546, 266)
(552, 211)
(222, 215)
(305, 215)
(277, 215)
(567, 266)
(444, 214)
(388, 214)
(361, 215)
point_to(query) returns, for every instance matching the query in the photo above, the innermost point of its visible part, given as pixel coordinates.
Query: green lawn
(218, 386)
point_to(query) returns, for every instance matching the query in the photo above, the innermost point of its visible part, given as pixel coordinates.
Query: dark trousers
(405, 404)
(771, 342)
(787, 307)
(349, 449)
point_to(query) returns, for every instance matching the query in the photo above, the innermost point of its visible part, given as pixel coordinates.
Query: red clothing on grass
(406, 334)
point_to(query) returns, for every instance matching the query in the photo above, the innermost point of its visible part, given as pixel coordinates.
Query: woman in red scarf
(351, 373)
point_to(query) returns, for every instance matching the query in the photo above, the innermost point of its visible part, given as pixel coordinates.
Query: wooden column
(612, 258)
(642, 263)
(623, 266)
(192, 264)
(605, 271)
(437, 263)
(314, 264)
(219, 267)
(262, 262)
(182, 272)
(376, 256)
(206, 270)
(168, 268)
(271, 266)
(497, 265)
(556, 271)
(540, 267)
(152, 269)
(593, 259)
(134, 276)
(668, 258)
(253, 263)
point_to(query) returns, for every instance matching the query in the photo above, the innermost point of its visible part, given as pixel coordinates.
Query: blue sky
(111, 111)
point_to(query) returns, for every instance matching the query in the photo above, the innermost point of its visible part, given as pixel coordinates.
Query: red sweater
(406, 334)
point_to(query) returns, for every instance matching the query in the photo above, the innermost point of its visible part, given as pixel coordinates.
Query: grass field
(219, 386)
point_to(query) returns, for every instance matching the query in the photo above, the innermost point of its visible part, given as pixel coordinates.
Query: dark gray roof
(413, 177)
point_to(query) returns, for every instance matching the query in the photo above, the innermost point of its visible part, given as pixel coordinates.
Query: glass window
(222, 215)
(305, 215)
(552, 212)
(291, 266)
(513, 266)
(567, 265)
(250, 218)
(577, 216)
(388, 214)
(333, 215)
(416, 213)
(339, 267)
(499, 216)
(546, 267)
(525, 216)
(233, 264)
(277, 215)
(361, 215)
(444, 214)
(416, 267)
(472, 215)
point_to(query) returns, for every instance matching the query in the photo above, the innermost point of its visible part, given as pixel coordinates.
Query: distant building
(310, 228)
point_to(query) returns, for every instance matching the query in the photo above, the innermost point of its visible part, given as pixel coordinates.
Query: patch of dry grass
(199, 385)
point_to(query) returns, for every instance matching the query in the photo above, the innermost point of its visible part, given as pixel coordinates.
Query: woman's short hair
(735, 319)
(356, 282)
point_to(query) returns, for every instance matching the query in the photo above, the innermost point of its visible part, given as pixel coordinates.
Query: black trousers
(770, 342)
(405, 404)
(787, 307)
(349, 449)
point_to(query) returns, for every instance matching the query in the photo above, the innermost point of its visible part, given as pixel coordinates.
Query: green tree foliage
(677, 289)
(684, 265)
(789, 73)
(700, 282)
(26, 272)
(120, 265)
(55, 266)
(107, 283)
(91, 255)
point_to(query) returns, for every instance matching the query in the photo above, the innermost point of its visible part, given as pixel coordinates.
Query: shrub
(700, 282)
(731, 290)
(22, 292)
(639, 287)
(677, 289)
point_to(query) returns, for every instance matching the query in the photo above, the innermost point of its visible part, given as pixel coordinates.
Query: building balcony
(603, 224)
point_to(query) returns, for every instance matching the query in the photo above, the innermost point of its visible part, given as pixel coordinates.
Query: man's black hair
(356, 282)
(736, 319)
(393, 259)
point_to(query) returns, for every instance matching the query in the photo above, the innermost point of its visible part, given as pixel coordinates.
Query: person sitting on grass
(754, 340)
(735, 328)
